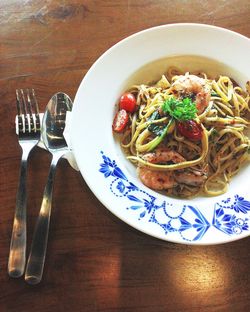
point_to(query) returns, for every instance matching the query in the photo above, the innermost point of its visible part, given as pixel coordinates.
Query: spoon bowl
(53, 124)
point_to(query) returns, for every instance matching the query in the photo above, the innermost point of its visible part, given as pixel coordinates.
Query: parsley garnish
(180, 109)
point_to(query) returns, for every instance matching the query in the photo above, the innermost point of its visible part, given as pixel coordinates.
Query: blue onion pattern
(230, 216)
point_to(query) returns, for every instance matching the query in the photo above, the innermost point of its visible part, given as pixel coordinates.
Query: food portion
(186, 133)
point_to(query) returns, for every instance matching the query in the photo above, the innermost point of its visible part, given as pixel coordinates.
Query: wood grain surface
(95, 262)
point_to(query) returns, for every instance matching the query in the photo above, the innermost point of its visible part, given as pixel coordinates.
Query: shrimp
(162, 180)
(193, 86)
(190, 177)
(162, 155)
(157, 180)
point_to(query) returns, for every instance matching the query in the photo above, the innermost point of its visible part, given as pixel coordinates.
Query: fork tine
(20, 114)
(27, 119)
(23, 102)
(30, 110)
(35, 101)
(29, 107)
(18, 105)
(34, 107)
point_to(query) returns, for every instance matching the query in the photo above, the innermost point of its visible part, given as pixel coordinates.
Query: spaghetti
(187, 133)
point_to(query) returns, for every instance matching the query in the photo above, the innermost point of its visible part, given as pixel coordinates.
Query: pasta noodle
(178, 160)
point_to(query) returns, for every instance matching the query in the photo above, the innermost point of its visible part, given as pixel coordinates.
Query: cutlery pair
(30, 130)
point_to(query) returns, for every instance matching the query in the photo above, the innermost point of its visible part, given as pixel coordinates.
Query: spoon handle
(35, 264)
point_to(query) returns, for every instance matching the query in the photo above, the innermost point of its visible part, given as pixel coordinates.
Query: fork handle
(35, 264)
(17, 255)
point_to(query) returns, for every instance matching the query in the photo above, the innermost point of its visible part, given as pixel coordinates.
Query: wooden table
(95, 262)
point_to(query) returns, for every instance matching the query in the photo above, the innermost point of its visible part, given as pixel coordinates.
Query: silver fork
(28, 128)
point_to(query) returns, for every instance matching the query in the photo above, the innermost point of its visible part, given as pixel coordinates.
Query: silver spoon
(52, 133)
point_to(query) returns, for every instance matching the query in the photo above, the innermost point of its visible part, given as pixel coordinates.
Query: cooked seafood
(186, 132)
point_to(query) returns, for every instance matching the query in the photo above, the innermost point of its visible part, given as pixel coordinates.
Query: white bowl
(101, 162)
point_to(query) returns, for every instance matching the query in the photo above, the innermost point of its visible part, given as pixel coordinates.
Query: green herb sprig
(180, 109)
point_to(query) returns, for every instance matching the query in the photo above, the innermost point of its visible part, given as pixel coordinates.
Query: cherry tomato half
(120, 121)
(190, 129)
(128, 102)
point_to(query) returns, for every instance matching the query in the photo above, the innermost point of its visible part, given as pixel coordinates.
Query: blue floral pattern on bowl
(230, 216)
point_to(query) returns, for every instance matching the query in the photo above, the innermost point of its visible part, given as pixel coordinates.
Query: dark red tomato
(120, 121)
(190, 129)
(128, 102)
